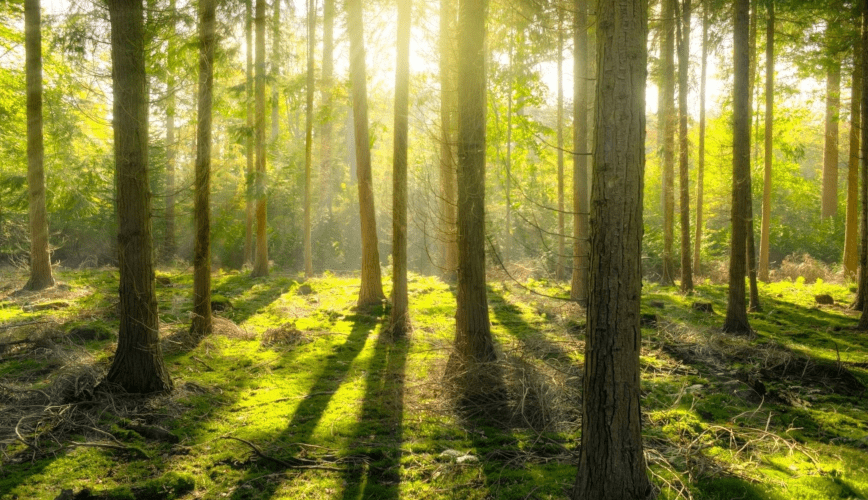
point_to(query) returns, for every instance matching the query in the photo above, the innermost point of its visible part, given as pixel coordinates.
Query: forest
(475, 249)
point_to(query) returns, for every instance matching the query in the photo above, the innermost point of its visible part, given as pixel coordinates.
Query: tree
(579, 283)
(736, 312)
(851, 227)
(399, 321)
(448, 105)
(40, 260)
(750, 246)
(169, 246)
(684, 185)
(371, 290)
(138, 362)
(562, 243)
(260, 263)
(201, 325)
(308, 137)
(700, 166)
(275, 73)
(473, 342)
(769, 151)
(248, 141)
(863, 255)
(830, 151)
(668, 119)
(328, 44)
(611, 463)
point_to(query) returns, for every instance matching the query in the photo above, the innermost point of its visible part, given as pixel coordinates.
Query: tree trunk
(669, 120)
(308, 138)
(750, 246)
(684, 184)
(201, 325)
(700, 168)
(40, 260)
(473, 341)
(400, 319)
(736, 312)
(169, 246)
(371, 291)
(248, 142)
(579, 283)
(448, 119)
(560, 271)
(275, 74)
(830, 150)
(769, 148)
(611, 461)
(260, 263)
(328, 45)
(863, 251)
(138, 362)
(507, 236)
(851, 232)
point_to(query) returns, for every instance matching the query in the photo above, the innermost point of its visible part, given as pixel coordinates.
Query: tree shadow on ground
(267, 291)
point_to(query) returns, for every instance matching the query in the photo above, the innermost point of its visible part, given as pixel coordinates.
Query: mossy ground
(335, 391)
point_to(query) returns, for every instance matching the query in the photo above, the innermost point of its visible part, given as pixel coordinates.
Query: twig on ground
(300, 463)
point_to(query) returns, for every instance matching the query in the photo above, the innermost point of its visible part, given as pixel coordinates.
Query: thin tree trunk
(169, 246)
(400, 319)
(248, 142)
(40, 260)
(260, 263)
(308, 138)
(611, 461)
(371, 291)
(684, 184)
(560, 271)
(448, 119)
(328, 44)
(138, 362)
(736, 311)
(700, 168)
(750, 246)
(669, 120)
(851, 232)
(507, 237)
(201, 325)
(830, 150)
(275, 74)
(579, 283)
(769, 148)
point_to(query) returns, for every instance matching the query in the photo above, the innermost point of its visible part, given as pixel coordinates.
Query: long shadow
(532, 338)
(265, 295)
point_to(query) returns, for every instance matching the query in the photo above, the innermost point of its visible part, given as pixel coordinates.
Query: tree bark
(611, 461)
(684, 184)
(669, 119)
(851, 231)
(328, 44)
(308, 138)
(260, 263)
(765, 229)
(579, 283)
(371, 291)
(750, 246)
(863, 257)
(138, 362)
(700, 167)
(560, 271)
(830, 150)
(248, 142)
(170, 246)
(275, 74)
(448, 119)
(736, 312)
(201, 325)
(507, 233)
(400, 319)
(40, 260)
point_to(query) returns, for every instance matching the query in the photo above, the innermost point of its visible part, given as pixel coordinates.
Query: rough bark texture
(448, 124)
(611, 463)
(669, 120)
(248, 142)
(830, 150)
(260, 262)
(328, 45)
(169, 245)
(473, 341)
(750, 246)
(560, 271)
(371, 291)
(700, 162)
(308, 138)
(399, 321)
(201, 325)
(40, 260)
(683, 167)
(851, 227)
(138, 362)
(579, 283)
(863, 270)
(736, 311)
(765, 228)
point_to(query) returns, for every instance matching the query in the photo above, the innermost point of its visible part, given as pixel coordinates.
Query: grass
(308, 380)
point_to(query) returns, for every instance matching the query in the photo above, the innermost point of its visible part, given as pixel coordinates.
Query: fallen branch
(132, 449)
(297, 464)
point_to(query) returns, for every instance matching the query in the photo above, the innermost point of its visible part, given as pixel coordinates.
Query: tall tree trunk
(250, 171)
(371, 291)
(863, 250)
(684, 184)
(400, 319)
(750, 246)
(328, 45)
(507, 236)
(138, 362)
(169, 246)
(275, 74)
(736, 311)
(700, 167)
(201, 325)
(308, 137)
(562, 243)
(669, 120)
(611, 462)
(260, 263)
(769, 147)
(40, 260)
(830, 150)
(473, 341)
(851, 232)
(579, 283)
(448, 123)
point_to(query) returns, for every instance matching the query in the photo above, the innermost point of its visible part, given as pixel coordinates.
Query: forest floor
(299, 395)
